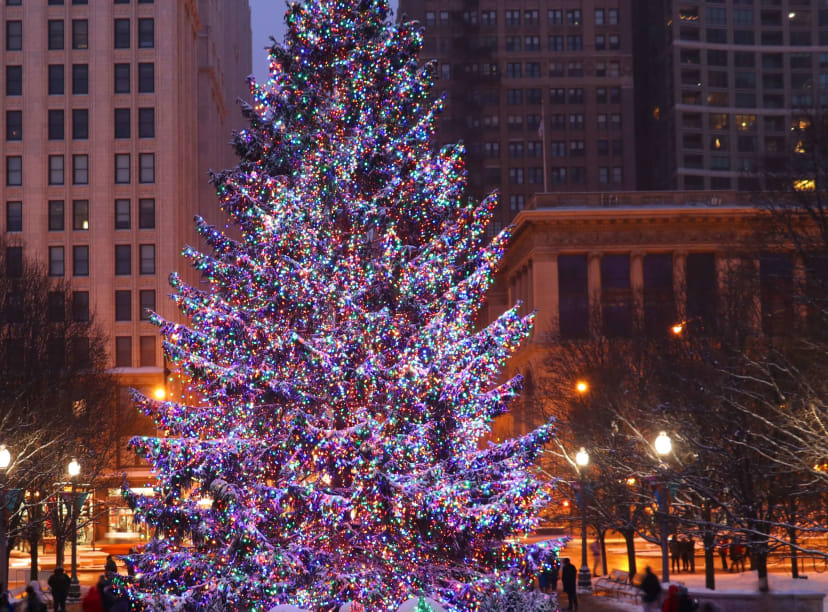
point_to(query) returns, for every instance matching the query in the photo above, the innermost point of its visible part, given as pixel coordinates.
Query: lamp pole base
(74, 595)
(584, 579)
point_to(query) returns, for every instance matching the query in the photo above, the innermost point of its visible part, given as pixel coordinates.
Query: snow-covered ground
(747, 582)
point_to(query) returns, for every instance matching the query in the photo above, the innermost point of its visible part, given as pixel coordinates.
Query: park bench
(618, 583)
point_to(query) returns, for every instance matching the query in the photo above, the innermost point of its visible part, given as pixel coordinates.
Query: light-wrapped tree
(340, 452)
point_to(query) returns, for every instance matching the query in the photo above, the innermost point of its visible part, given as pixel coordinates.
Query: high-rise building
(506, 66)
(115, 110)
(724, 89)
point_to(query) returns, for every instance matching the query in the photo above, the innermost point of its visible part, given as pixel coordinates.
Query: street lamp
(584, 576)
(5, 461)
(663, 446)
(74, 469)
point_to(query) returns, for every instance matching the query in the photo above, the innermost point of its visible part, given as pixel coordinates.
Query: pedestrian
(684, 547)
(675, 553)
(111, 567)
(723, 548)
(108, 599)
(34, 598)
(651, 591)
(568, 582)
(672, 601)
(59, 584)
(595, 549)
(5, 599)
(685, 602)
(92, 601)
(691, 554)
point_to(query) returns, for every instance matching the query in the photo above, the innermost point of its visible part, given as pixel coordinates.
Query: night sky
(268, 19)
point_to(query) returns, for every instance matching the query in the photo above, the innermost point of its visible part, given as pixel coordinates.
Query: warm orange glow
(677, 329)
(159, 393)
(566, 503)
(582, 386)
(805, 185)
(631, 481)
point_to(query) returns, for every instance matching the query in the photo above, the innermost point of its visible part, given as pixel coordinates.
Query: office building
(505, 66)
(115, 110)
(724, 89)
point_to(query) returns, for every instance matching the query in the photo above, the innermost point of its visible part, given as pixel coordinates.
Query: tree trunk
(761, 562)
(709, 543)
(794, 553)
(602, 536)
(629, 539)
(60, 544)
(33, 555)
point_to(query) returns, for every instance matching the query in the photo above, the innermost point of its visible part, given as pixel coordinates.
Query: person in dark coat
(548, 578)
(569, 583)
(691, 554)
(33, 601)
(111, 567)
(59, 583)
(651, 591)
(675, 553)
(724, 546)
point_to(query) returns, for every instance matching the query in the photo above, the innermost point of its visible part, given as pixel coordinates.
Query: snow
(745, 582)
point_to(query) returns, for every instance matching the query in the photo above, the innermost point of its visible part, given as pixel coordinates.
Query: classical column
(680, 285)
(637, 288)
(545, 296)
(594, 288)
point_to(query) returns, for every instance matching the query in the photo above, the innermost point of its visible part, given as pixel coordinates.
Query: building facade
(114, 112)
(506, 67)
(724, 89)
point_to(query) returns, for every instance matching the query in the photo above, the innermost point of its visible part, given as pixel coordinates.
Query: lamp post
(74, 469)
(584, 576)
(5, 461)
(663, 446)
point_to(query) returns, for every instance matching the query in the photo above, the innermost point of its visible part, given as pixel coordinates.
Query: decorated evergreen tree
(338, 450)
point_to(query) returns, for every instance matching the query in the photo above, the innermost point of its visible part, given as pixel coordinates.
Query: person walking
(691, 554)
(5, 599)
(34, 601)
(59, 583)
(595, 549)
(675, 553)
(651, 591)
(568, 581)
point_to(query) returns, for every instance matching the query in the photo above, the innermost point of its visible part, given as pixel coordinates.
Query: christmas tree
(337, 452)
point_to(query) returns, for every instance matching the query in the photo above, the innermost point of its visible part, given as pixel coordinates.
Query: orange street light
(582, 386)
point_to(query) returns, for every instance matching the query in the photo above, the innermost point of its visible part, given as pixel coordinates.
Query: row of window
(747, 99)
(571, 68)
(80, 169)
(56, 40)
(123, 304)
(123, 260)
(514, 17)
(80, 215)
(746, 79)
(80, 124)
(123, 351)
(56, 83)
(556, 43)
(746, 122)
(714, 15)
(796, 38)
(747, 59)
(575, 175)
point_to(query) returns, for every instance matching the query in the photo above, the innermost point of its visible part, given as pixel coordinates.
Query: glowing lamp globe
(582, 457)
(74, 468)
(5, 457)
(663, 444)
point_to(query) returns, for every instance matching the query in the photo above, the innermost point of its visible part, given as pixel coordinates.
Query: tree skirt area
(745, 582)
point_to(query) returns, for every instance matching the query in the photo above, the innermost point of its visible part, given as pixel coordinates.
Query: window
(491, 149)
(146, 170)
(80, 260)
(557, 148)
(743, 17)
(56, 169)
(516, 150)
(575, 95)
(14, 171)
(14, 125)
(122, 216)
(80, 215)
(614, 69)
(14, 216)
(80, 306)
(718, 121)
(444, 18)
(55, 215)
(556, 43)
(612, 15)
(122, 119)
(576, 148)
(80, 169)
(147, 259)
(716, 16)
(146, 33)
(531, 43)
(147, 301)
(14, 36)
(80, 79)
(56, 80)
(554, 17)
(600, 17)
(56, 261)
(516, 176)
(56, 124)
(80, 34)
(617, 175)
(123, 352)
(123, 305)
(80, 124)
(122, 33)
(576, 121)
(488, 17)
(574, 293)
(55, 34)
(533, 70)
(445, 70)
(534, 96)
(743, 37)
(573, 17)
(122, 170)
(716, 58)
(146, 213)
(513, 43)
(531, 17)
(534, 148)
(600, 42)
(513, 70)
(512, 17)
(557, 95)
(14, 262)
(603, 175)
(146, 123)
(603, 147)
(14, 80)
(55, 306)
(122, 78)
(147, 351)
(614, 42)
(575, 43)
(123, 260)
(516, 202)
(146, 78)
